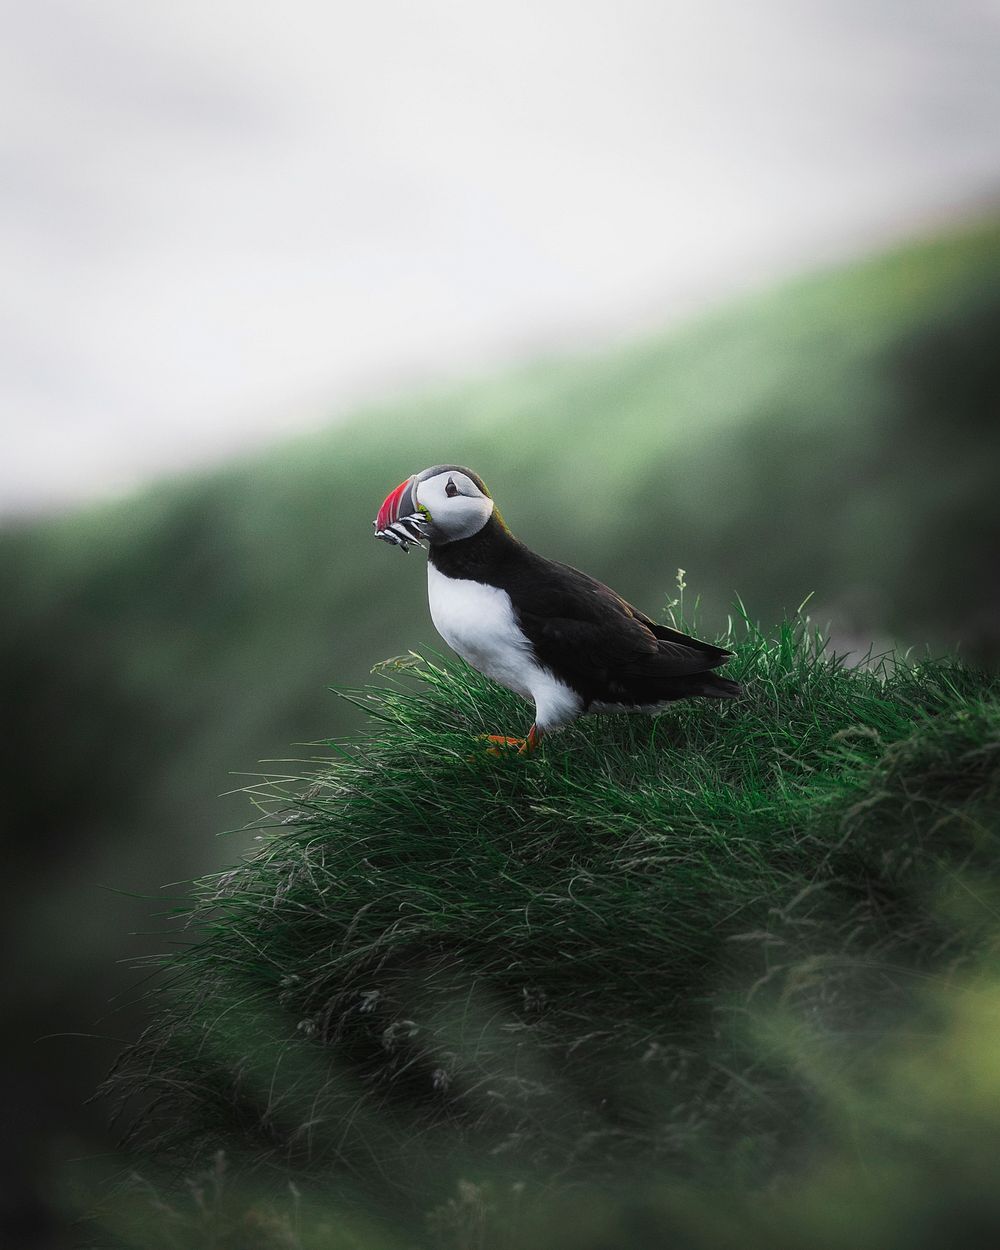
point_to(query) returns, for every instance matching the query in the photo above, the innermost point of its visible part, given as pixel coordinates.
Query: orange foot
(500, 744)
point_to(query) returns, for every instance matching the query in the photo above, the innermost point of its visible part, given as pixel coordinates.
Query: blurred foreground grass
(725, 977)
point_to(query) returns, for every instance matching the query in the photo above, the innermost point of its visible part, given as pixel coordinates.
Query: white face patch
(457, 507)
(478, 622)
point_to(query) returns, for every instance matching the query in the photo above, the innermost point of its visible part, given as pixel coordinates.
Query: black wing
(582, 627)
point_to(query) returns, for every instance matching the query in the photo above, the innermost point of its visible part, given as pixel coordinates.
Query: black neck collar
(474, 557)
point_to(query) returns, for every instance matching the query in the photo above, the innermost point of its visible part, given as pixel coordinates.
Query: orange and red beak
(399, 520)
(397, 503)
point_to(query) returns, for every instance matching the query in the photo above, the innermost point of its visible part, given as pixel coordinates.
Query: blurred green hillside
(838, 436)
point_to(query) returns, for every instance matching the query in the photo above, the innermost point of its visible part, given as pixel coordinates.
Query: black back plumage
(580, 629)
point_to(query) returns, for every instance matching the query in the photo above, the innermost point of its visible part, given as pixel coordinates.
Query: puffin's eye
(451, 490)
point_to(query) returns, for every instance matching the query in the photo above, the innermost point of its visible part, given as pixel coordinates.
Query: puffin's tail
(715, 687)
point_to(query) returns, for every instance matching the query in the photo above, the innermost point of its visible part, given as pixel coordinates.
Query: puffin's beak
(392, 506)
(393, 523)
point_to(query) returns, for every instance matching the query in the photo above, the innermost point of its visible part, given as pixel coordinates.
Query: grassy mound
(557, 969)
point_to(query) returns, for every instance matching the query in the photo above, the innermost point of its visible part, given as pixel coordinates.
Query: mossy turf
(568, 967)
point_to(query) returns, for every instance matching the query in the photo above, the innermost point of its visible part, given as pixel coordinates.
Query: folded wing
(579, 625)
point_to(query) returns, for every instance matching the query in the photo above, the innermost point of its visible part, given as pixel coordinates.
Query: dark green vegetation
(840, 435)
(658, 984)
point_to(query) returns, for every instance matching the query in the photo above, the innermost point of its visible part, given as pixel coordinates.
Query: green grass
(638, 975)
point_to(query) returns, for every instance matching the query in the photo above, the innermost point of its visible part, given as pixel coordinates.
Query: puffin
(560, 639)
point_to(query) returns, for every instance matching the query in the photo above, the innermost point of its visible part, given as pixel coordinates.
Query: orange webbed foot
(501, 744)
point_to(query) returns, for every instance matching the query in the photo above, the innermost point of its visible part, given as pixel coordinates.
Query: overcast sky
(221, 222)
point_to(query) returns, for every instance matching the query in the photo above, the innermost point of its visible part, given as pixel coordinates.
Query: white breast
(478, 622)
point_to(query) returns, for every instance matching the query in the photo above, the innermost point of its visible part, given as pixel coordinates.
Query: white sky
(221, 222)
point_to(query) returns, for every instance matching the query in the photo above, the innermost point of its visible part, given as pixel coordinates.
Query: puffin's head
(441, 504)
